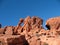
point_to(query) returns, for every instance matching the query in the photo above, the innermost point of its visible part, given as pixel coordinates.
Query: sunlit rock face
(53, 23)
(30, 31)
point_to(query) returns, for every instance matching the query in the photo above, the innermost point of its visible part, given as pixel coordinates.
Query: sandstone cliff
(30, 31)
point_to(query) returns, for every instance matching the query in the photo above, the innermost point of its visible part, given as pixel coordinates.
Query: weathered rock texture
(53, 23)
(13, 40)
(30, 31)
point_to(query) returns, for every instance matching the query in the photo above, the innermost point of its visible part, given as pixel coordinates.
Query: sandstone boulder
(1, 30)
(53, 23)
(9, 30)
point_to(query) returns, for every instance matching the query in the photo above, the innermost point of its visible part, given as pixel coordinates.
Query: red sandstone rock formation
(53, 23)
(13, 40)
(33, 31)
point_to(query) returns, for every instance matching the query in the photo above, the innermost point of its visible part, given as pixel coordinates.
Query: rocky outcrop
(30, 31)
(53, 23)
(13, 40)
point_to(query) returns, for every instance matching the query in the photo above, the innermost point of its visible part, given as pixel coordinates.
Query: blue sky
(12, 10)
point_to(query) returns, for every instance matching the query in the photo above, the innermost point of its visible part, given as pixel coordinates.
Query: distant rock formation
(30, 31)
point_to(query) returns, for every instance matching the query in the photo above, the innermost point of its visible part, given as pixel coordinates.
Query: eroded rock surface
(13, 40)
(30, 31)
(53, 23)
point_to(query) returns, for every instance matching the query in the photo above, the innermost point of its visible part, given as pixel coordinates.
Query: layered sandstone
(30, 31)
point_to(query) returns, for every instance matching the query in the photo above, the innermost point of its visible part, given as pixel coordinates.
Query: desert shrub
(45, 44)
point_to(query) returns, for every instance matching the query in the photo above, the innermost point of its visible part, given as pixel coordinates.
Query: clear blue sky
(12, 10)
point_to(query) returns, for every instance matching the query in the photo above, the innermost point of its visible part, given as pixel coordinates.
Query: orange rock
(1, 30)
(9, 30)
(13, 40)
(36, 22)
(20, 22)
(53, 23)
(30, 31)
